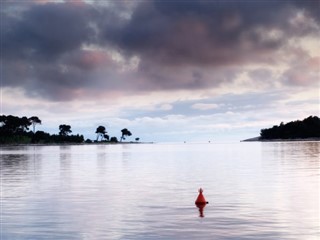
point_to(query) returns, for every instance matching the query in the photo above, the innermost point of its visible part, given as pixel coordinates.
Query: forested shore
(16, 130)
(307, 129)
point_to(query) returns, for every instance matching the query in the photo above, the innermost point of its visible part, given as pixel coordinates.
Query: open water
(255, 190)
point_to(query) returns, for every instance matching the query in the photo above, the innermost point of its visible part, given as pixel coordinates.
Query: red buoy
(200, 198)
(201, 202)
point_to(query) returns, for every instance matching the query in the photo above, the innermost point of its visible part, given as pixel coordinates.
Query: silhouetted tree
(2, 120)
(14, 129)
(14, 124)
(34, 121)
(114, 139)
(24, 124)
(9, 123)
(307, 128)
(41, 136)
(64, 130)
(106, 136)
(101, 132)
(125, 132)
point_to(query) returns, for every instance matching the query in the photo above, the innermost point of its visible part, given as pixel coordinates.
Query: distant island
(15, 130)
(307, 129)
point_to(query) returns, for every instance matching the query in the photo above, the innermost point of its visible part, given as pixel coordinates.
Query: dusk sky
(176, 70)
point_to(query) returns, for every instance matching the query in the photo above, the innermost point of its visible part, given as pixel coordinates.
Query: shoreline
(257, 139)
(66, 144)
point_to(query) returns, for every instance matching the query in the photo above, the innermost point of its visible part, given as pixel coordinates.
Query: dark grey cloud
(180, 44)
(210, 32)
(44, 32)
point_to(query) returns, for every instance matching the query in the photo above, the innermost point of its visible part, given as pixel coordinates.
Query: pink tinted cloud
(314, 63)
(305, 72)
(91, 59)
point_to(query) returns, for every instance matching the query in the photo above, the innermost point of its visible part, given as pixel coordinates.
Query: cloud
(205, 106)
(64, 51)
(46, 31)
(303, 73)
(166, 107)
(215, 33)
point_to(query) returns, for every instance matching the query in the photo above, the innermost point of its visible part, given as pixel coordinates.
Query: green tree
(64, 130)
(125, 132)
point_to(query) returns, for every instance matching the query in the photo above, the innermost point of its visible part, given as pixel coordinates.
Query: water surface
(147, 191)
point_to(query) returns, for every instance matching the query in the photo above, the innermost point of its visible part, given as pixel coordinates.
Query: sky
(169, 71)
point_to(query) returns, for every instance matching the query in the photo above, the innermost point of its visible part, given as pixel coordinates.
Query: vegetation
(101, 132)
(307, 128)
(34, 121)
(114, 139)
(125, 132)
(15, 130)
(64, 130)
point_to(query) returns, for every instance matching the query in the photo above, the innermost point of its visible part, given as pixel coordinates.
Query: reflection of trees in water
(13, 161)
(101, 156)
(312, 149)
(293, 152)
(14, 172)
(126, 153)
(64, 147)
(65, 161)
(297, 149)
(27, 164)
(35, 160)
(101, 162)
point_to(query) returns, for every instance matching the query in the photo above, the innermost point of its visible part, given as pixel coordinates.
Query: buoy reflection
(201, 206)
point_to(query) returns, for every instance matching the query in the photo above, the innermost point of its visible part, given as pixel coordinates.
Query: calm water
(255, 190)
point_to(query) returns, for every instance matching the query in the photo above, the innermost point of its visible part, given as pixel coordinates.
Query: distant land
(15, 130)
(307, 129)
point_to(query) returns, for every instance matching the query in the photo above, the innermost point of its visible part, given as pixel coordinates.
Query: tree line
(15, 130)
(103, 135)
(307, 128)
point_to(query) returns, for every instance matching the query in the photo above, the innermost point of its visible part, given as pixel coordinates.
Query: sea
(255, 190)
